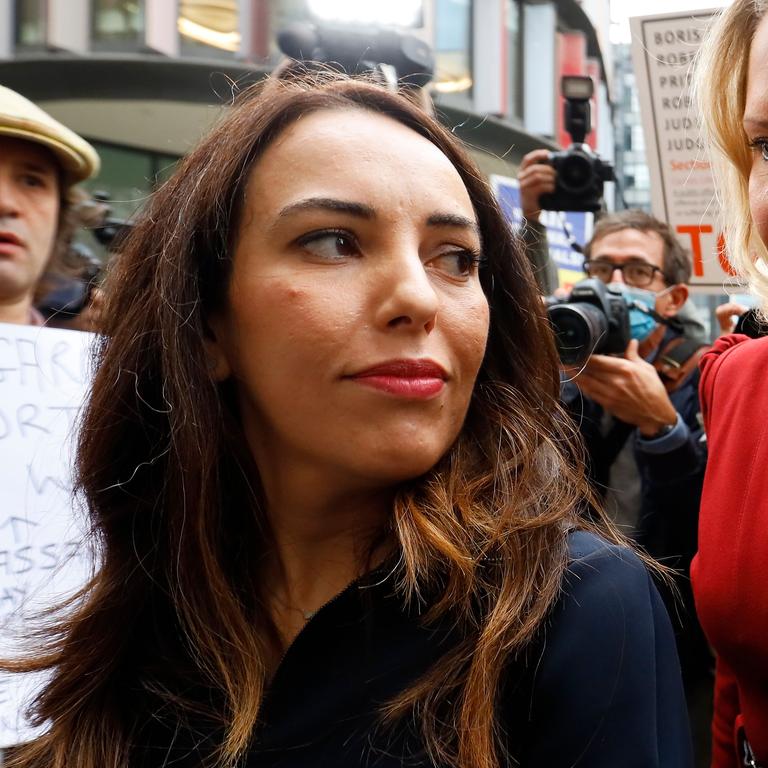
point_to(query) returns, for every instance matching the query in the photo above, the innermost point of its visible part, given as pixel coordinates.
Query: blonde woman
(729, 572)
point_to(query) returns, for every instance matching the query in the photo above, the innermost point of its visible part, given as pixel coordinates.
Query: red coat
(730, 571)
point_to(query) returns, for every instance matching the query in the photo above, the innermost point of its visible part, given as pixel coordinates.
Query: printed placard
(664, 48)
(44, 374)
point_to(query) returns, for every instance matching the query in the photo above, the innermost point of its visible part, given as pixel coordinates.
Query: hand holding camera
(598, 332)
(536, 178)
(629, 388)
(571, 180)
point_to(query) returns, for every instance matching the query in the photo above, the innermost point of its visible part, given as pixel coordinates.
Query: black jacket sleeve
(607, 690)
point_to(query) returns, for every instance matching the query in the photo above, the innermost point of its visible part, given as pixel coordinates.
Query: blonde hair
(720, 92)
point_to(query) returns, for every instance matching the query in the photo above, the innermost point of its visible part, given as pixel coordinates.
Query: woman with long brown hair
(337, 509)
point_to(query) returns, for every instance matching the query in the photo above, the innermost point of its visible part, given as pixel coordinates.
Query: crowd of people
(351, 508)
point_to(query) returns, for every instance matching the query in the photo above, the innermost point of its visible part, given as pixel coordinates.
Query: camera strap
(677, 360)
(670, 322)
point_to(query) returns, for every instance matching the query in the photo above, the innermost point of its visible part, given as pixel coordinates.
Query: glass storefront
(514, 69)
(212, 28)
(453, 49)
(117, 24)
(29, 22)
(396, 13)
(209, 28)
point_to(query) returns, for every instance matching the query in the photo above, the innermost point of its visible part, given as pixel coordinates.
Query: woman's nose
(408, 297)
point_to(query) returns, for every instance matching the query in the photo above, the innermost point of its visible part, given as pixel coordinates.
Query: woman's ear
(215, 353)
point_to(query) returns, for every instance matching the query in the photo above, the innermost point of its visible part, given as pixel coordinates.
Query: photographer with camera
(636, 402)
(650, 389)
(630, 342)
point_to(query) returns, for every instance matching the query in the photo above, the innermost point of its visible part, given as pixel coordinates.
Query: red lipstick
(415, 379)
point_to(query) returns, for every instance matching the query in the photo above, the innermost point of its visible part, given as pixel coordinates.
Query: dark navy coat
(600, 688)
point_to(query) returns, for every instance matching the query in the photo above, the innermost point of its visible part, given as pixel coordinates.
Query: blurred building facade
(143, 79)
(634, 182)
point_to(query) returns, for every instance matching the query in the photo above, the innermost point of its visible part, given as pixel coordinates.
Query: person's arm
(678, 457)
(667, 434)
(607, 690)
(726, 704)
(710, 364)
(724, 719)
(537, 178)
(534, 236)
(726, 315)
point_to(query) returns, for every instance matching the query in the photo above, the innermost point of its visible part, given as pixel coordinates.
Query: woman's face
(356, 323)
(756, 128)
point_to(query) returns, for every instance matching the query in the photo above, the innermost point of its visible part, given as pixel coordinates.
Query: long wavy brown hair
(177, 605)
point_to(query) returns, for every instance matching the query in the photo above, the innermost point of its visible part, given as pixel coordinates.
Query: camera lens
(579, 330)
(575, 173)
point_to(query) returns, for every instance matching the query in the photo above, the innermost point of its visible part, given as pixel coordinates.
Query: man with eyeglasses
(639, 256)
(640, 416)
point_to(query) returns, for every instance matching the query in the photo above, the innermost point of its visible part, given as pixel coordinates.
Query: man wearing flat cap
(41, 161)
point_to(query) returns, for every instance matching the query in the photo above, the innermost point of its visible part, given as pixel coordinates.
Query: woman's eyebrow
(363, 211)
(360, 210)
(754, 123)
(453, 220)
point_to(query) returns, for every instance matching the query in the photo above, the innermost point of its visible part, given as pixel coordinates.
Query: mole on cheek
(292, 293)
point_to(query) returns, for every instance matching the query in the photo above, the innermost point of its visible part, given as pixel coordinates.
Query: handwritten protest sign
(682, 189)
(43, 379)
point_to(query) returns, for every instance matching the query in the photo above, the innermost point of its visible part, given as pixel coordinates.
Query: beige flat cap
(21, 119)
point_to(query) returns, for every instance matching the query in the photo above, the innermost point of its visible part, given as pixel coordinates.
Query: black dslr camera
(592, 320)
(581, 173)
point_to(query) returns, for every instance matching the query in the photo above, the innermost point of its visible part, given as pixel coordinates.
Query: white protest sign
(682, 190)
(43, 380)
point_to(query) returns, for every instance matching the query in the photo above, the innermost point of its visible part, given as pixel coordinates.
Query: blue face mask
(641, 303)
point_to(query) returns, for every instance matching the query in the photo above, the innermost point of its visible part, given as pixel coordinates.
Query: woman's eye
(762, 146)
(332, 246)
(459, 263)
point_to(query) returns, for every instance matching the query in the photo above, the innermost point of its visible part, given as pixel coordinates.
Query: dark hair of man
(676, 264)
(70, 221)
(174, 620)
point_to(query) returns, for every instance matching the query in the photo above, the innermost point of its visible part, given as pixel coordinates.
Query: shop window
(514, 58)
(29, 22)
(117, 25)
(209, 28)
(638, 139)
(453, 48)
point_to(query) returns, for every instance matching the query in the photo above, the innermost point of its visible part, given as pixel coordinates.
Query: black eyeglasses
(637, 273)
